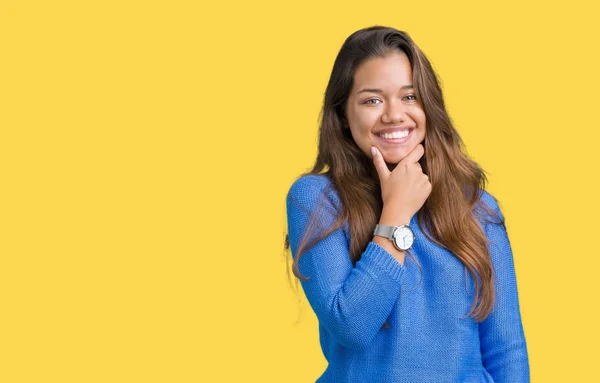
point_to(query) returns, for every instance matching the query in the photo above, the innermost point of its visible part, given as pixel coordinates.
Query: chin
(395, 158)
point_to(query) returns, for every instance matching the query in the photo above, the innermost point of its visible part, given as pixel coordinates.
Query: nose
(394, 112)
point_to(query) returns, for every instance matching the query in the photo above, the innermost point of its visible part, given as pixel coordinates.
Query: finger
(380, 166)
(414, 155)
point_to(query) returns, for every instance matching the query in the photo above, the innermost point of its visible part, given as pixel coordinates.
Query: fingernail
(373, 151)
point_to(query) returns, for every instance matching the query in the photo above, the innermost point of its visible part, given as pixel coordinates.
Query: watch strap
(384, 230)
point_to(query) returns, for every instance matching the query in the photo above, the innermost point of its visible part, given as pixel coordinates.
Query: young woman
(391, 180)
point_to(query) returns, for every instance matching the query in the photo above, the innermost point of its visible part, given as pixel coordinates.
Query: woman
(390, 179)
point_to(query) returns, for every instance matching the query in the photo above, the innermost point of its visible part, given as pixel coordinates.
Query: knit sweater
(430, 339)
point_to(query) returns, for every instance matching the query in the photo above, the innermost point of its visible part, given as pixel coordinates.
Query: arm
(503, 345)
(352, 303)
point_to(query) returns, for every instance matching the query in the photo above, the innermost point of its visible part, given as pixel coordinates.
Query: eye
(373, 99)
(411, 95)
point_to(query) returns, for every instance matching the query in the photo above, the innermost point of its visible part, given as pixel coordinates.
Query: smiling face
(383, 110)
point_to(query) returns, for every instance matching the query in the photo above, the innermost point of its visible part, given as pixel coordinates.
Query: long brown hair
(457, 181)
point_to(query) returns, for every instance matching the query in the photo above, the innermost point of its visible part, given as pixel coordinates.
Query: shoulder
(307, 190)
(488, 199)
(309, 184)
(488, 209)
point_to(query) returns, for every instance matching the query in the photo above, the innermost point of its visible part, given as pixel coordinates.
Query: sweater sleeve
(503, 345)
(351, 303)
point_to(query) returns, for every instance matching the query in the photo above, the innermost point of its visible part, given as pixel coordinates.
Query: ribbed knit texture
(429, 341)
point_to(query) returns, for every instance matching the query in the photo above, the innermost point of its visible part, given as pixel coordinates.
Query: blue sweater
(430, 339)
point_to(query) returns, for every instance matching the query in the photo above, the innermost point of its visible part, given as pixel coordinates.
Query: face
(383, 110)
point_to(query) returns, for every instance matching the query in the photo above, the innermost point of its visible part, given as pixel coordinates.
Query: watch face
(404, 237)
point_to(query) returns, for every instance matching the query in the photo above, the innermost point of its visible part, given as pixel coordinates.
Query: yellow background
(147, 148)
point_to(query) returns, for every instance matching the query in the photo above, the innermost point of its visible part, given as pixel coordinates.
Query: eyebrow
(376, 90)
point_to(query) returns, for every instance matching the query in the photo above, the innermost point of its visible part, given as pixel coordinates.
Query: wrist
(393, 218)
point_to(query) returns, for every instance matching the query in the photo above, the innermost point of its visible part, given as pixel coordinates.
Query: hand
(406, 188)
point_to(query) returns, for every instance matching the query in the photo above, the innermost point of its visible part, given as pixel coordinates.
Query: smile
(395, 137)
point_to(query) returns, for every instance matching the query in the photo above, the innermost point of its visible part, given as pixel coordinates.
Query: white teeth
(401, 134)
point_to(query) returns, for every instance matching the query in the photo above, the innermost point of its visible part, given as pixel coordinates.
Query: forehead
(388, 72)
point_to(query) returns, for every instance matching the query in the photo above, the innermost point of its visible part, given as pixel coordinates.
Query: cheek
(364, 121)
(419, 116)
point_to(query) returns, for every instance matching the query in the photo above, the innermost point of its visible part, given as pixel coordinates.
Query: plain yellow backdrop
(147, 148)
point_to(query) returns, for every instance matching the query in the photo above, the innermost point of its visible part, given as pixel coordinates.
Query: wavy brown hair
(457, 181)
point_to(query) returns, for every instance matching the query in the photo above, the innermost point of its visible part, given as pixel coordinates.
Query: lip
(395, 140)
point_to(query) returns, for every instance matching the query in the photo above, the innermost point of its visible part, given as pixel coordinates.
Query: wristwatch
(401, 236)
